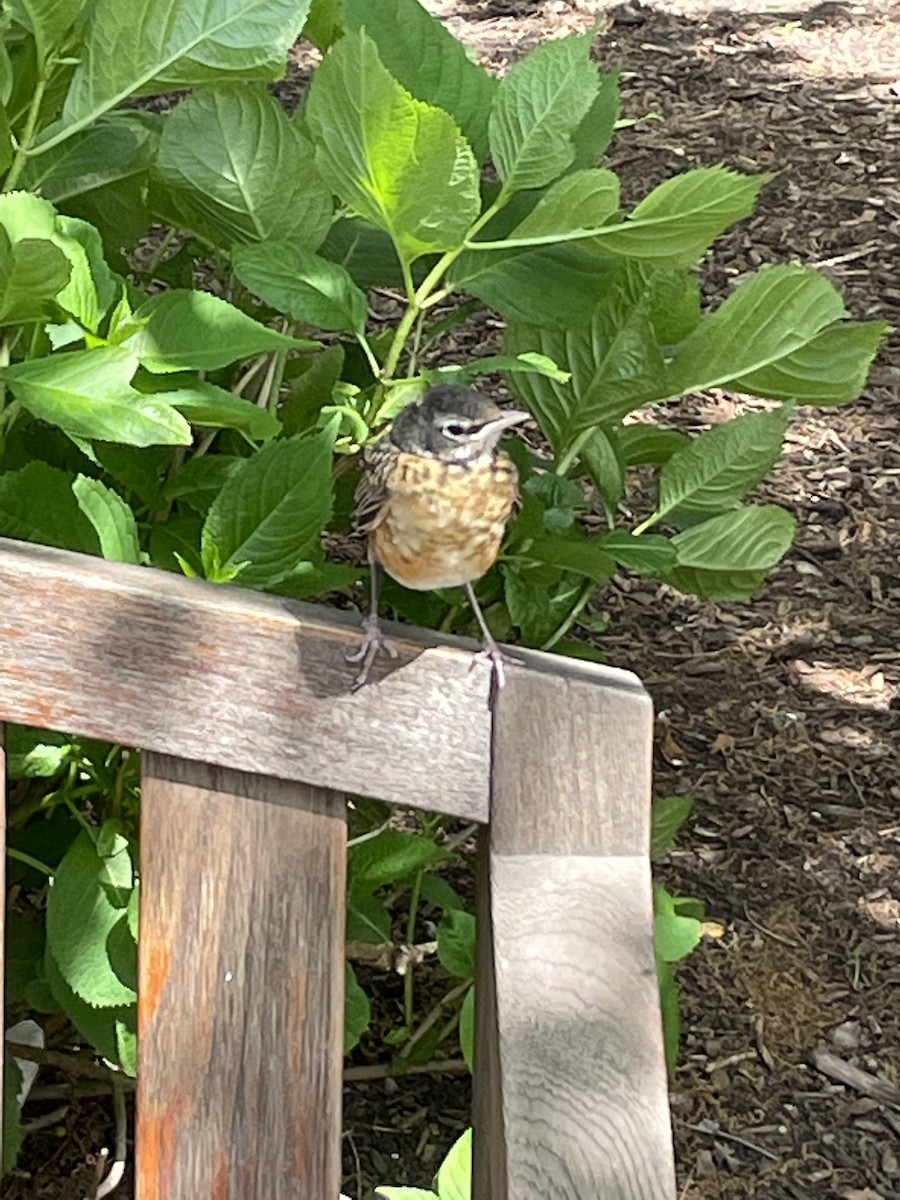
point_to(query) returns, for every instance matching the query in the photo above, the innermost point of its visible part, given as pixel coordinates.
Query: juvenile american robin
(434, 497)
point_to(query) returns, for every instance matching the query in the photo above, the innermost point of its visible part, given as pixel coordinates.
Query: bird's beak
(508, 419)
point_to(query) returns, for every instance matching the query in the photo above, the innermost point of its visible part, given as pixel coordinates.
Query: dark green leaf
(200, 480)
(24, 955)
(467, 1028)
(96, 1025)
(643, 443)
(367, 253)
(668, 815)
(270, 512)
(12, 1114)
(356, 1010)
(368, 920)
(204, 404)
(602, 459)
(37, 505)
(116, 149)
(647, 554)
(32, 273)
(391, 857)
(595, 132)
(456, 943)
(233, 168)
(585, 556)
(309, 392)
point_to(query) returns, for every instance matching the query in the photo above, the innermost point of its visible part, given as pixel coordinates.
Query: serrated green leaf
(96, 1025)
(174, 44)
(830, 369)
(771, 316)
(140, 469)
(595, 132)
(126, 1043)
(682, 217)
(133, 909)
(717, 469)
(111, 517)
(578, 203)
(748, 539)
(85, 906)
(390, 857)
(200, 480)
(602, 458)
(716, 585)
(556, 286)
(423, 56)
(303, 285)
(399, 163)
(667, 816)
(647, 553)
(357, 1010)
(539, 107)
(187, 330)
(206, 405)
(88, 394)
(36, 753)
(368, 253)
(37, 505)
(456, 943)
(116, 149)
(235, 169)
(454, 1177)
(270, 512)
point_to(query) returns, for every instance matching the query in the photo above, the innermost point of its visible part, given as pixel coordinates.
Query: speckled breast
(443, 523)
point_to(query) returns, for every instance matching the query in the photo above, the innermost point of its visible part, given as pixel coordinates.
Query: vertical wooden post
(240, 1004)
(570, 1084)
(2, 921)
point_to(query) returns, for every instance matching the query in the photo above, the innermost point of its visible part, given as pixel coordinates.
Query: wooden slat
(240, 1004)
(248, 681)
(584, 1109)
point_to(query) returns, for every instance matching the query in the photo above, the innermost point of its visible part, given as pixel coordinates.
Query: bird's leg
(374, 642)
(490, 650)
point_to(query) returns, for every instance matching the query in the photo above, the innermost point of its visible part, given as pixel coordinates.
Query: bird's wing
(371, 491)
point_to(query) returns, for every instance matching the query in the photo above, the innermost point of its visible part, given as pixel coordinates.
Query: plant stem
(645, 525)
(574, 613)
(369, 353)
(27, 134)
(164, 242)
(29, 861)
(408, 1006)
(562, 467)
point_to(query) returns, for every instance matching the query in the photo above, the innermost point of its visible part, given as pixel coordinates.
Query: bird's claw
(491, 653)
(373, 643)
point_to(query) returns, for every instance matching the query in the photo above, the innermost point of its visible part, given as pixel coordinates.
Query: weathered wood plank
(2, 913)
(240, 1005)
(579, 1054)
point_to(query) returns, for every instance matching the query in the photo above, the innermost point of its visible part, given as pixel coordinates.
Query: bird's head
(453, 424)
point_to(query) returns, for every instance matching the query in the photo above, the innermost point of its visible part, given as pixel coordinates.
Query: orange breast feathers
(442, 524)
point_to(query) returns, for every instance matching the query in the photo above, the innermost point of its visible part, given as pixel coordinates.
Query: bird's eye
(455, 429)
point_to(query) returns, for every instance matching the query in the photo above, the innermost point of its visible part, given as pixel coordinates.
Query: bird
(434, 496)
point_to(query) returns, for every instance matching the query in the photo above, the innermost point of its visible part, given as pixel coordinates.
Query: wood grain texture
(2, 913)
(584, 1110)
(240, 1008)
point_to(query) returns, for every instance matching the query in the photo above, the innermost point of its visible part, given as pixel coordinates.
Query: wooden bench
(251, 738)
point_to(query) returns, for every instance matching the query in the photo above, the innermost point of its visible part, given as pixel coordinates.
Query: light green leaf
(646, 554)
(85, 905)
(748, 539)
(717, 469)
(668, 815)
(770, 316)
(422, 55)
(357, 1010)
(234, 168)
(830, 369)
(204, 404)
(675, 936)
(400, 163)
(306, 287)
(530, 362)
(716, 585)
(456, 943)
(454, 1178)
(323, 25)
(270, 512)
(576, 205)
(171, 44)
(32, 273)
(682, 217)
(595, 132)
(96, 1025)
(88, 394)
(539, 106)
(671, 1013)
(111, 517)
(601, 457)
(187, 330)
(37, 505)
(48, 20)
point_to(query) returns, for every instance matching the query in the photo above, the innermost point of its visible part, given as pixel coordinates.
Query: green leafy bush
(205, 431)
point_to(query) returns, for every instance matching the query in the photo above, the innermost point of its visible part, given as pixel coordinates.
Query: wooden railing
(252, 738)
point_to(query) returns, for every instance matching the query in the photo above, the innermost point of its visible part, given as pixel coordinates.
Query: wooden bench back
(251, 740)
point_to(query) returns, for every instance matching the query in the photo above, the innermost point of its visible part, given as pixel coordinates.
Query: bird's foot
(492, 653)
(374, 643)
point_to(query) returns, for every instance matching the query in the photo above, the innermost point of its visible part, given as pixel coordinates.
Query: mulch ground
(780, 716)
